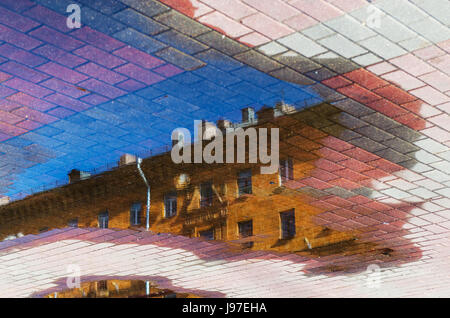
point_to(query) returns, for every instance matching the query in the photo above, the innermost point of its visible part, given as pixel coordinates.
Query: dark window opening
(206, 194)
(286, 170)
(246, 230)
(170, 204)
(135, 213)
(73, 223)
(103, 220)
(287, 224)
(245, 182)
(207, 234)
(102, 285)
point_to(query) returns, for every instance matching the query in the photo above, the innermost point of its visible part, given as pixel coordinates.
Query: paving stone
(415, 43)
(380, 121)
(139, 40)
(425, 157)
(182, 23)
(318, 31)
(336, 63)
(315, 193)
(382, 47)
(366, 59)
(222, 43)
(340, 192)
(297, 62)
(181, 42)
(219, 60)
(350, 27)
(353, 107)
(326, 93)
(348, 121)
(393, 30)
(100, 22)
(258, 61)
(401, 10)
(180, 59)
(367, 144)
(374, 133)
(148, 7)
(291, 76)
(431, 30)
(431, 146)
(405, 133)
(321, 74)
(272, 48)
(139, 22)
(400, 145)
(392, 155)
(438, 9)
(396, 193)
(302, 45)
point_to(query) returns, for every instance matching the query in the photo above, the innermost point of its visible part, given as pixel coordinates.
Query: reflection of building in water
(232, 202)
(118, 289)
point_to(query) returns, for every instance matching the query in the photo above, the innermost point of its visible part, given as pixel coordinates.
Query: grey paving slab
(353, 107)
(342, 46)
(438, 9)
(139, 40)
(139, 21)
(374, 133)
(394, 30)
(297, 62)
(381, 121)
(350, 27)
(400, 145)
(180, 59)
(431, 146)
(258, 61)
(301, 44)
(392, 155)
(321, 74)
(222, 43)
(383, 47)
(415, 43)
(401, 10)
(336, 63)
(431, 30)
(348, 120)
(181, 42)
(366, 59)
(148, 7)
(326, 93)
(367, 144)
(289, 75)
(181, 23)
(318, 31)
(272, 48)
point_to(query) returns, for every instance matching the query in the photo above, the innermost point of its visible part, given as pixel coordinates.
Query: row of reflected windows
(245, 228)
(244, 182)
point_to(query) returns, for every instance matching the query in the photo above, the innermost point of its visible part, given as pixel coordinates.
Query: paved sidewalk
(36, 265)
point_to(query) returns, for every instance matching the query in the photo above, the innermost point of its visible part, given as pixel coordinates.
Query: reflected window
(135, 213)
(208, 234)
(246, 230)
(170, 204)
(287, 224)
(73, 223)
(286, 170)
(103, 220)
(245, 182)
(206, 194)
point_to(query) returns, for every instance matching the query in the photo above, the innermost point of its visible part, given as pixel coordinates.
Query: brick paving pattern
(80, 97)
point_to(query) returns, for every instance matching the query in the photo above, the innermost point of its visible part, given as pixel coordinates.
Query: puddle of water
(118, 289)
